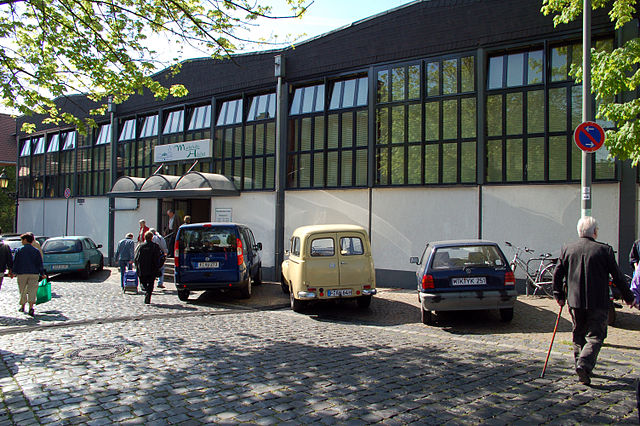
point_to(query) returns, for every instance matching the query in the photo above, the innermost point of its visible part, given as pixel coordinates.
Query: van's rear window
(208, 240)
(62, 246)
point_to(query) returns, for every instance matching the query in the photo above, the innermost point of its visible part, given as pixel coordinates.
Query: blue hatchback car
(72, 254)
(211, 256)
(464, 275)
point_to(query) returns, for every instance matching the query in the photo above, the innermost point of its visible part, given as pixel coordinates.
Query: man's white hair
(587, 227)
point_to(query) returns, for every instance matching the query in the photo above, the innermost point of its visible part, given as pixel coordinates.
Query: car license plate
(207, 265)
(338, 293)
(54, 267)
(469, 281)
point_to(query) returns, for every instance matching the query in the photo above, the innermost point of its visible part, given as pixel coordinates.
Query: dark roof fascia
(175, 193)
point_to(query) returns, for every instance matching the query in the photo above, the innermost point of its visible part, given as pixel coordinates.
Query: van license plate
(54, 267)
(207, 265)
(337, 293)
(469, 281)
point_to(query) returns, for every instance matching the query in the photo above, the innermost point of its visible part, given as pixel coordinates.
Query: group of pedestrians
(148, 253)
(26, 265)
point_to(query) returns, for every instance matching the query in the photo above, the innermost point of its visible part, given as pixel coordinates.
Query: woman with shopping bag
(27, 266)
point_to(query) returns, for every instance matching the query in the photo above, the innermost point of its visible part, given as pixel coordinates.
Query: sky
(321, 17)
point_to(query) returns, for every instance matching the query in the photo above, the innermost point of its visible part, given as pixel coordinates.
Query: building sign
(223, 215)
(190, 150)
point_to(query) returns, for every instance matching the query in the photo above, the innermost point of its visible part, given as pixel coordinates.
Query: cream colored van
(328, 262)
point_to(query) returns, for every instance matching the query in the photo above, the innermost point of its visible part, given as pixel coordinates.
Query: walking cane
(551, 344)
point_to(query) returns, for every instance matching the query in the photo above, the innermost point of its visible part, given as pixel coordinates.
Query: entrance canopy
(191, 185)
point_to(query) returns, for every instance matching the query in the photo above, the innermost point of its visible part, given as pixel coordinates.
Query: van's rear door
(208, 254)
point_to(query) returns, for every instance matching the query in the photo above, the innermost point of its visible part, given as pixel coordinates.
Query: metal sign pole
(585, 177)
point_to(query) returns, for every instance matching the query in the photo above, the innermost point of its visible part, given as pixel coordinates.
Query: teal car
(72, 254)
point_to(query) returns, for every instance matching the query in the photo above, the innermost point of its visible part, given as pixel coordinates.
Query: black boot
(147, 298)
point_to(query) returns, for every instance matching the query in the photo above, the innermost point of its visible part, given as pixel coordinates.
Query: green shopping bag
(44, 291)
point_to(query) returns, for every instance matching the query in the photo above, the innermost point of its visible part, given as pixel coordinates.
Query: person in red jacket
(143, 230)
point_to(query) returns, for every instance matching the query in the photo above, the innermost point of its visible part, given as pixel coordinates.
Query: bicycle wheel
(545, 279)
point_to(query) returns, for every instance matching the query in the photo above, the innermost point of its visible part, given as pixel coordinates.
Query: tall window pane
(515, 69)
(558, 109)
(432, 121)
(494, 161)
(535, 111)
(397, 124)
(535, 159)
(431, 163)
(468, 118)
(433, 79)
(383, 86)
(449, 162)
(514, 160)
(450, 119)
(450, 76)
(558, 158)
(534, 72)
(494, 115)
(413, 82)
(468, 162)
(415, 123)
(397, 165)
(414, 166)
(468, 74)
(495, 73)
(514, 113)
(397, 84)
(559, 63)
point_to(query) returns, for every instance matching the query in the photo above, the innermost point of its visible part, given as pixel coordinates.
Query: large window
(426, 122)
(244, 150)
(531, 117)
(327, 148)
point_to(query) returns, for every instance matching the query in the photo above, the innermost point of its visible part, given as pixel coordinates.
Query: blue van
(211, 256)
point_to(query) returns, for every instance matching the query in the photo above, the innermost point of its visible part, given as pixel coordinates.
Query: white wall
(544, 217)
(404, 219)
(128, 217)
(257, 211)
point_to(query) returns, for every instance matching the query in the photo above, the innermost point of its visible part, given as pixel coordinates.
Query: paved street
(93, 355)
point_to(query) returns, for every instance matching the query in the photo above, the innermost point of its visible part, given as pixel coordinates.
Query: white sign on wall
(190, 150)
(223, 215)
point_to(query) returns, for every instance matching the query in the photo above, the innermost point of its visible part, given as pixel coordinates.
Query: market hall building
(439, 119)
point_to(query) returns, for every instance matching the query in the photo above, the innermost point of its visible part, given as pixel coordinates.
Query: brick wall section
(8, 153)
(417, 30)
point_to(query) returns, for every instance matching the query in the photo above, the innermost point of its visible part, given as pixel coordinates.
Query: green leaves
(614, 75)
(53, 48)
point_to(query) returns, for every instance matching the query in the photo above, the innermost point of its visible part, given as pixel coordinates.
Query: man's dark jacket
(6, 259)
(149, 259)
(587, 264)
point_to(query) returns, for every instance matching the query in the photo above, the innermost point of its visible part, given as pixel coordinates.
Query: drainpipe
(281, 162)
(114, 172)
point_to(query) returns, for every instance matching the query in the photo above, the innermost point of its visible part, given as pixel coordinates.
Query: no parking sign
(589, 136)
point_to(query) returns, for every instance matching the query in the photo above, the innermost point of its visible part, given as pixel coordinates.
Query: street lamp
(4, 180)
(4, 184)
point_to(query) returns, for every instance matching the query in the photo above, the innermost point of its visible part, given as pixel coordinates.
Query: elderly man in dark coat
(586, 264)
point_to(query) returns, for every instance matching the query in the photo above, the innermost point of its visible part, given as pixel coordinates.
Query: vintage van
(328, 262)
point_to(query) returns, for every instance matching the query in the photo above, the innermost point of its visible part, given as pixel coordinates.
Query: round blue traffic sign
(589, 136)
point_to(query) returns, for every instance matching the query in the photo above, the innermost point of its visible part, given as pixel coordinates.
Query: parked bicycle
(541, 278)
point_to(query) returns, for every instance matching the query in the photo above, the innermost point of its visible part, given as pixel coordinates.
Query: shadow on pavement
(383, 312)
(526, 319)
(95, 277)
(626, 320)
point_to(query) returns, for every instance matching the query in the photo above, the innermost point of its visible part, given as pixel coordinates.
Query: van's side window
(295, 246)
(322, 247)
(351, 246)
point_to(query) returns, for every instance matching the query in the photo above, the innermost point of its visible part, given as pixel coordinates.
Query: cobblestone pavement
(93, 355)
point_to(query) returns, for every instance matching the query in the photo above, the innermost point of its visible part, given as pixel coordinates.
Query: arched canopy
(191, 185)
(127, 184)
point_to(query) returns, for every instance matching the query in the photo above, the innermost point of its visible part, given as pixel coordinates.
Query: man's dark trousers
(589, 332)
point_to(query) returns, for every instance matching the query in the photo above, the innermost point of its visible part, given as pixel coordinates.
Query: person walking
(142, 231)
(148, 260)
(6, 260)
(157, 238)
(586, 265)
(124, 254)
(27, 266)
(172, 227)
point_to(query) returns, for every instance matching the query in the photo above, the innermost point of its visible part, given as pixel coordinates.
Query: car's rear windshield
(214, 239)
(13, 244)
(62, 246)
(463, 256)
